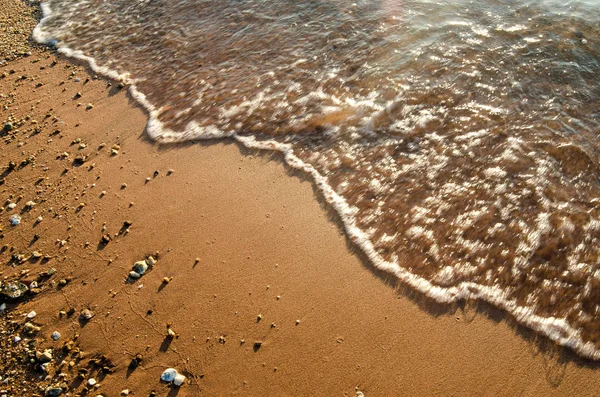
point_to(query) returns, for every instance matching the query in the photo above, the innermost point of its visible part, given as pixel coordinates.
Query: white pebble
(179, 379)
(168, 375)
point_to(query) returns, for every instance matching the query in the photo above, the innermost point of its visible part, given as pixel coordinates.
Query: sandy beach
(255, 291)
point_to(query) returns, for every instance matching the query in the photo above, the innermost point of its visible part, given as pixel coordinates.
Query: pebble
(30, 204)
(53, 391)
(46, 356)
(31, 314)
(140, 267)
(125, 392)
(11, 206)
(134, 275)
(14, 289)
(29, 328)
(55, 335)
(91, 382)
(39, 219)
(168, 375)
(179, 379)
(15, 220)
(86, 314)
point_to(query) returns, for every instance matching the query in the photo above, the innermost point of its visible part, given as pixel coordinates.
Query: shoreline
(558, 329)
(258, 235)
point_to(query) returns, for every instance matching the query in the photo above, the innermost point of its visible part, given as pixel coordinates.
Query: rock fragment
(14, 290)
(86, 315)
(171, 375)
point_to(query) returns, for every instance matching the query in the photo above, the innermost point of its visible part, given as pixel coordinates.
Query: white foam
(557, 329)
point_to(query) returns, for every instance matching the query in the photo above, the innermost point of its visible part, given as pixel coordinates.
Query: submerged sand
(265, 294)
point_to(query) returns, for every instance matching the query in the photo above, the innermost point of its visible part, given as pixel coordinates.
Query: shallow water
(458, 140)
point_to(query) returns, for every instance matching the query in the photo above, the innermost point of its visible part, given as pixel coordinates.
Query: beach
(255, 289)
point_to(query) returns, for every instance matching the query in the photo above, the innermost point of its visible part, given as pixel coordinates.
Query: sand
(265, 294)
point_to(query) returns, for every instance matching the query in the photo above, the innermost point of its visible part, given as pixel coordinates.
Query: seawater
(458, 140)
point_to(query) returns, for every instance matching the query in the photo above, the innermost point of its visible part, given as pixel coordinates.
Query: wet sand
(265, 295)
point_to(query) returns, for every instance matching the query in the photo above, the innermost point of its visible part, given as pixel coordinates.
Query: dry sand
(239, 236)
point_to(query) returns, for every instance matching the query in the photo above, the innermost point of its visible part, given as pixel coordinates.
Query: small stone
(134, 275)
(171, 333)
(151, 261)
(53, 391)
(15, 220)
(297, 322)
(17, 339)
(179, 379)
(14, 289)
(140, 267)
(28, 328)
(29, 204)
(259, 317)
(46, 356)
(39, 219)
(12, 206)
(55, 336)
(86, 314)
(166, 280)
(168, 375)
(91, 382)
(31, 315)
(125, 392)
(8, 127)
(89, 106)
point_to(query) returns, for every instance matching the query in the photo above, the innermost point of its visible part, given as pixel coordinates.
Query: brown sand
(265, 245)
